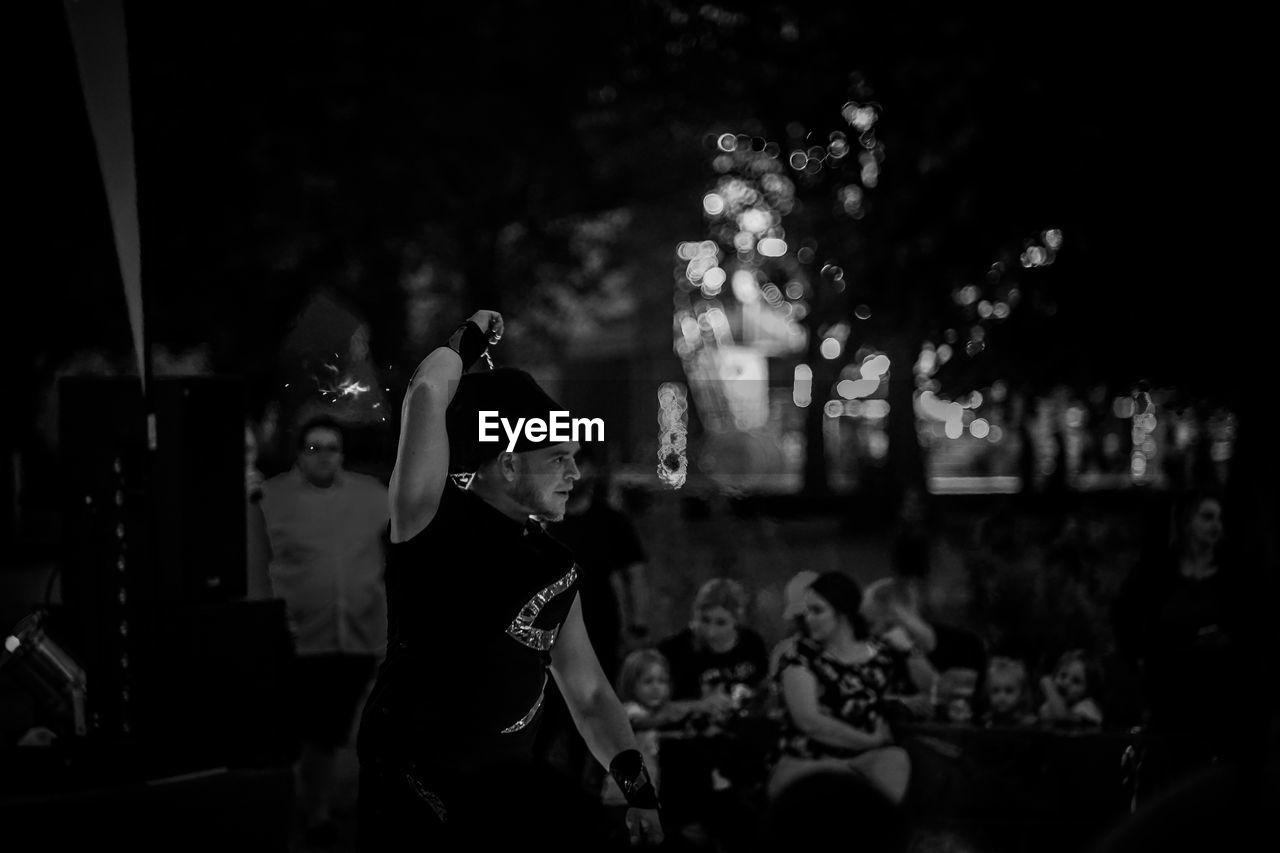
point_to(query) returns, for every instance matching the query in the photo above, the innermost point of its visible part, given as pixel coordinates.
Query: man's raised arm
(422, 458)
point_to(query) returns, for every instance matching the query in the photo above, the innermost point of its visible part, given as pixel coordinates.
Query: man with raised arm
(482, 607)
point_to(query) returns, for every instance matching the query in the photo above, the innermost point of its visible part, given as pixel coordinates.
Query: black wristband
(469, 342)
(628, 770)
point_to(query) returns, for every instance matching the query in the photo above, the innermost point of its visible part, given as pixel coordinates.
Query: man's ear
(508, 467)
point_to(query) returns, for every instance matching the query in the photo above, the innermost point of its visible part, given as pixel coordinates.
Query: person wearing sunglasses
(325, 527)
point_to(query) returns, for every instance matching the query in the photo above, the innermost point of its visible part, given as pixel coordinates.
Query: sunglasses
(323, 448)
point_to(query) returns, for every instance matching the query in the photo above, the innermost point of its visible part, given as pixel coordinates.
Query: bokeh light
(854, 389)
(875, 366)
(754, 220)
(802, 385)
(772, 247)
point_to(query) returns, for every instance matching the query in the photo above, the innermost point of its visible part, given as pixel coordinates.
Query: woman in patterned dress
(833, 684)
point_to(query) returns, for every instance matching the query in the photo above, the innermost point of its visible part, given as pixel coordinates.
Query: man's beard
(528, 495)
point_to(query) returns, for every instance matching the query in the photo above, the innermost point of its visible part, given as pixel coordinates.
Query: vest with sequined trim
(475, 602)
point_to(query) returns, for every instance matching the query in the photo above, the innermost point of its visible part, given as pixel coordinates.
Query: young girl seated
(956, 688)
(1069, 693)
(1008, 701)
(644, 686)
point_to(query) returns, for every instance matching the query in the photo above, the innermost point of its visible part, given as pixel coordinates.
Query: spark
(352, 388)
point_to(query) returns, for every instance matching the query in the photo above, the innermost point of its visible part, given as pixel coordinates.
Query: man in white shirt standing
(325, 527)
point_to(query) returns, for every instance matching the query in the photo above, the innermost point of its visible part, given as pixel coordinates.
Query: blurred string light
(673, 434)
(1142, 436)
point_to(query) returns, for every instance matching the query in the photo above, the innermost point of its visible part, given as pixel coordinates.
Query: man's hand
(644, 827)
(490, 322)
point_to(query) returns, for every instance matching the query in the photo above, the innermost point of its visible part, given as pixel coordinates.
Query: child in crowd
(644, 686)
(956, 689)
(1069, 693)
(1008, 701)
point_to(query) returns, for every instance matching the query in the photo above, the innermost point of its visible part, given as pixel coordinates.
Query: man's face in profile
(584, 488)
(545, 478)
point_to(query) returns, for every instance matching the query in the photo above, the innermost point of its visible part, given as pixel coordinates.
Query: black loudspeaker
(189, 489)
(198, 489)
(151, 528)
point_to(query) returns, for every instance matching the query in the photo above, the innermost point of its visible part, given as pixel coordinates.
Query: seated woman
(718, 668)
(834, 684)
(718, 661)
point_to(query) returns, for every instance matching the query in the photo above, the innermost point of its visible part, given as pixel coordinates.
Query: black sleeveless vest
(474, 604)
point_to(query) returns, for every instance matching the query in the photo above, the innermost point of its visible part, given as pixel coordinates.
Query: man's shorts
(327, 693)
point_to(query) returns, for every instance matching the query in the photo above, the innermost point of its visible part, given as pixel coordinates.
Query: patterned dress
(851, 693)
